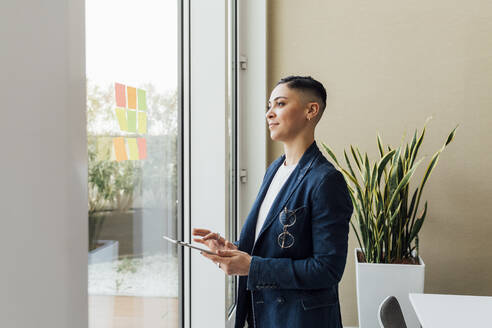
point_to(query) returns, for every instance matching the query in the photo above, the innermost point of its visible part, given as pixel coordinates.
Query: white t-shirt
(278, 181)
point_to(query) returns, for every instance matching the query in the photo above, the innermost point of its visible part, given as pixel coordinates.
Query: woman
(292, 250)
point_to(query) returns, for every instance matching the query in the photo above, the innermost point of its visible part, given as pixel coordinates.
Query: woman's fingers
(209, 237)
(200, 232)
(200, 240)
(230, 245)
(228, 253)
(214, 258)
(213, 236)
(232, 261)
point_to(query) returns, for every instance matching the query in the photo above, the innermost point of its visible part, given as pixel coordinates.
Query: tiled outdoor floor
(132, 312)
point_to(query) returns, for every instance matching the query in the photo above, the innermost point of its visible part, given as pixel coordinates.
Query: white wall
(43, 175)
(387, 66)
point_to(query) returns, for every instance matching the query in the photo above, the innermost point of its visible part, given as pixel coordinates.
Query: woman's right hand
(212, 240)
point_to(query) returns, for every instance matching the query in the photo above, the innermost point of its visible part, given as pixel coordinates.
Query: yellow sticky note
(103, 148)
(132, 148)
(142, 122)
(121, 115)
(119, 149)
(132, 97)
(113, 154)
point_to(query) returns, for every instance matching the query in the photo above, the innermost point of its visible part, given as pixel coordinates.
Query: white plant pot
(376, 281)
(105, 253)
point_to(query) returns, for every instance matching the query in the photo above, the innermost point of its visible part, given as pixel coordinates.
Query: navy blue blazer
(297, 286)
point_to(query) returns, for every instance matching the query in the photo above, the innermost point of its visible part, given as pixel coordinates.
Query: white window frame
(204, 145)
(252, 102)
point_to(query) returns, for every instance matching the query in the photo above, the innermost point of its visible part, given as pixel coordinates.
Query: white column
(43, 172)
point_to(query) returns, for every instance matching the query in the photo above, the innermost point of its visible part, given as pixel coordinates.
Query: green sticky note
(132, 148)
(121, 115)
(142, 122)
(142, 99)
(132, 121)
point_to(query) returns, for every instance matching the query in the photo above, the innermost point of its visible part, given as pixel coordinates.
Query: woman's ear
(313, 109)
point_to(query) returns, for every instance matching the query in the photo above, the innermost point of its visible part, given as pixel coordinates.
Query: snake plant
(387, 218)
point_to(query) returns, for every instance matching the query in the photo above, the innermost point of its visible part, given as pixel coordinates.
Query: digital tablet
(182, 243)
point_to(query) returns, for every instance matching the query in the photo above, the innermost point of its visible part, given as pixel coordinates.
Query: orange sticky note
(119, 91)
(119, 149)
(132, 148)
(142, 148)
(132, 97)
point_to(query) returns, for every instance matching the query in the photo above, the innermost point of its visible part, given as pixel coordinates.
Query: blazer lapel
(287, 189)
(247, 237)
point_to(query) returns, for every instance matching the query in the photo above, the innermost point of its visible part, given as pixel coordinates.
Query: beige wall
(387, 66)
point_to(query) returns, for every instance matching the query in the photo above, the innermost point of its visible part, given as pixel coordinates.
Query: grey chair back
(390, 315)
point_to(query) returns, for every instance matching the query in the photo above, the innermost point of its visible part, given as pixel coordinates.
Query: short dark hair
(306, 83)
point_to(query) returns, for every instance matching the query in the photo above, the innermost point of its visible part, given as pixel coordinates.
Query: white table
(449, 311)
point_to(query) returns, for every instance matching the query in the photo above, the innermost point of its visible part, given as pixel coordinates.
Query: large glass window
(133, 132)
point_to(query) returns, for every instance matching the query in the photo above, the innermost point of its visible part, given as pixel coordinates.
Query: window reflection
(132, 128)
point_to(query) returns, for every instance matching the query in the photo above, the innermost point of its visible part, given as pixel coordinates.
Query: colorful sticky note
(142, 99)
(132, 148)
(119, 149)
(103, 148)
(113, 154)
(132, 120)
(142, 122)
(119, 91)
(142, 148)
(132, 97)
(121, 115)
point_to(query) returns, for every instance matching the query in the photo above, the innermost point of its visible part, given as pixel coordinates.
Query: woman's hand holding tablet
(212, 240)
(227, 256)
(182, 243)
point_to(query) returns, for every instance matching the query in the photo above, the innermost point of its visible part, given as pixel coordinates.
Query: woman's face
(286, 114)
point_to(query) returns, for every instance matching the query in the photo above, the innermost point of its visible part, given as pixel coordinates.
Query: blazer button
(280, 299)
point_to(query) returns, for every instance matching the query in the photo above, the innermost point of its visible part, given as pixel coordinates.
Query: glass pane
(132, 126)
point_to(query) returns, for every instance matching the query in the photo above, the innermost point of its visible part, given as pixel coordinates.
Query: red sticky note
(120, 149)
(142, 148)
(132, 97)
(120, 95)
